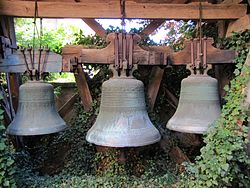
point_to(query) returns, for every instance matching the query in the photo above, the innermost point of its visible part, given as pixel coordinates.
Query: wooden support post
(239, 25)
(154, 85)
(172, 99)
(14, 88)
(220, 69)
(8, 30)
(83, 88)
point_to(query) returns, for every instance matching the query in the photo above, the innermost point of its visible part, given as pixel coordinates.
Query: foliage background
(67, 160)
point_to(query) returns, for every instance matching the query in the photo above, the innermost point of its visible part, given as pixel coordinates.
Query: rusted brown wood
(150, 55)
(14, 88)
(214, 55)
(239, 25)
(161, 1)
(221, 28)
(112, 10)
(107, 55)
(99, 30)
(83, 88)
(67, 106)
(178, 156)
(220, 70)
(231, 1)
(154, 85)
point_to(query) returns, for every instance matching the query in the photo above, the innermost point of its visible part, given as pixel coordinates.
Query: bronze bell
(36, 114)
(123, 120)
(199, 105)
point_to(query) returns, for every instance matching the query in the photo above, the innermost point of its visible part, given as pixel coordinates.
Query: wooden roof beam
(150, 28)
(112, 10)
(93, 24)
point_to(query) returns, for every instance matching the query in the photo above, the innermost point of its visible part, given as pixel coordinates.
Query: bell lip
(130, 143)
(38, 131)
(187, 128)
(125, 145)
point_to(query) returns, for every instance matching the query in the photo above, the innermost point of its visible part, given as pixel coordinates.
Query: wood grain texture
(239, 25)
(83, 88)
(15, 62)
(154, 85)
(93, 24)
(111, 9)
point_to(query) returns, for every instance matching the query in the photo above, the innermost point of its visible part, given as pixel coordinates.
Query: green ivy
(223, 161)
(7, 169)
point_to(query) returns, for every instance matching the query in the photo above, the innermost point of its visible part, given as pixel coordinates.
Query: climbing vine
(223, 161)
(7, 168)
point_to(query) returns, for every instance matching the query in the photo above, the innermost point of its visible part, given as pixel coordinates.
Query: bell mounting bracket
(29, 55)
(123, 51)
(199, 53)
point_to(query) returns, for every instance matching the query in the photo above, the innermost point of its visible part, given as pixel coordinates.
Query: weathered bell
(123, 120)
(36, 114)
(198, 107)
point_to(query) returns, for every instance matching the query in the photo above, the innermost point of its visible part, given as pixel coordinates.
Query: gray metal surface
(123, 120)
(198, 107)
(36, 114)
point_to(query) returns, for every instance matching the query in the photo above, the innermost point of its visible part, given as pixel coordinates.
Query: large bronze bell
(36, 114)
(123, 120)
(199, 105)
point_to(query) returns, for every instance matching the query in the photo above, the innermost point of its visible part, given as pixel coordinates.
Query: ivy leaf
(226, 88)
(2, 146)
(236, 72)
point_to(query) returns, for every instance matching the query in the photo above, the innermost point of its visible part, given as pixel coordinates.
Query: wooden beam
(154, 85)
(239, 25)
(14, 88)
(15, 62)
(150, 28)
(214, 55)
(67, 106)
(83, 88)
(99, 30)
(147, 55)
(231, 1)
(112, 10)
(8, 29)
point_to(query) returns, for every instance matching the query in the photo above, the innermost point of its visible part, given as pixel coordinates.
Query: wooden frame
(111, 9)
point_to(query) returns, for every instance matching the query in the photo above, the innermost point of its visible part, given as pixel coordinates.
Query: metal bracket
(199, 53)
(35, 72)
(124, 45)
